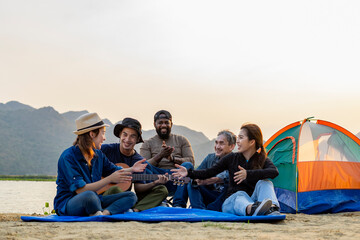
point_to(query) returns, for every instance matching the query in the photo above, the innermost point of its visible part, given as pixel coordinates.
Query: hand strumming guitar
(120, 176)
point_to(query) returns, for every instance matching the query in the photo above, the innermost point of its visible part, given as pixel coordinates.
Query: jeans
(179, 191)
(88, 202)
(203, 198)
(237, 202)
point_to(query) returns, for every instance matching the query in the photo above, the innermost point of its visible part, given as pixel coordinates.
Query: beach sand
(299, 226)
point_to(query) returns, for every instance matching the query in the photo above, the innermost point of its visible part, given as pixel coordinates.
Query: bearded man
(164, 150)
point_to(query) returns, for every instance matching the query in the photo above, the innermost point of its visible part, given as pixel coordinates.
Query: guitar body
(124, 186)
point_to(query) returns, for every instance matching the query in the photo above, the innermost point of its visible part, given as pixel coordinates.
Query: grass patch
(27, 178)
(217, 225)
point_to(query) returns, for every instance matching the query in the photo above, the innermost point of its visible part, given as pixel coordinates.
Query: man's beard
(163, 135)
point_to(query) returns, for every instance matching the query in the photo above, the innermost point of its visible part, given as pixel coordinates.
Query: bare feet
(96, 214)
(106, 212)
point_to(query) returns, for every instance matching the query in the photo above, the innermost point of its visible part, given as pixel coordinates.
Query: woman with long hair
(249, 192)
(83, 169)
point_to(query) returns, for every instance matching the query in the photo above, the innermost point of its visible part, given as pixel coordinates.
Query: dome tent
(319, 167)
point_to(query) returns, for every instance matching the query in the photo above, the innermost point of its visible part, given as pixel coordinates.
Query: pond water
(26, 196)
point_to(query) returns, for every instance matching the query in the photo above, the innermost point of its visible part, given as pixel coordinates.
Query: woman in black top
(249, 192)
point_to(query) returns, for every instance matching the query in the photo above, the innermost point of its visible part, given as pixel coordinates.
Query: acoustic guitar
(141, 177)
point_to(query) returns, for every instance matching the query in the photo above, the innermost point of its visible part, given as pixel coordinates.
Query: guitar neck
(144, 177)
(152, 177)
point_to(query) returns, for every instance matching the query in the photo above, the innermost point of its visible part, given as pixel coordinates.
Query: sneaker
(164, 204)
(260, 208)
(177, 206)
(273, 211)
(129, 211)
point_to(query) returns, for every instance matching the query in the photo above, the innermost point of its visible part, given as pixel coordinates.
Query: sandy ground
(299, 226)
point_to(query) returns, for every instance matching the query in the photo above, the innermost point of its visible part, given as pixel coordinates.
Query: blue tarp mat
(160, 214)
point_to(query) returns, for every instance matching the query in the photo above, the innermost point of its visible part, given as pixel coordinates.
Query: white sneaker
(129, 211)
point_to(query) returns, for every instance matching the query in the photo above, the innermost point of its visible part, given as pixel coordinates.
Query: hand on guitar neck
(162, 179)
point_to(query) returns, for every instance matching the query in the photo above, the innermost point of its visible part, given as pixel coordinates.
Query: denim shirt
(209, 161)
(74, 173)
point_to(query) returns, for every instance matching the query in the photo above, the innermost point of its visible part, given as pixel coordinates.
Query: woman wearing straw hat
(80, 171)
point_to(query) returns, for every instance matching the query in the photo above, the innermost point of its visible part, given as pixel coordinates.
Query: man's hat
(87, 122)
(129, 123)
(162, 114)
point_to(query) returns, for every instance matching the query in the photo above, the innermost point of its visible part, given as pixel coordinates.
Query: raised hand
(139, 166)
(240, 176)
(179, 172)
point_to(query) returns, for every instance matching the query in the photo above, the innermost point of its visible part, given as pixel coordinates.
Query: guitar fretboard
(144, 177)
(152, 177)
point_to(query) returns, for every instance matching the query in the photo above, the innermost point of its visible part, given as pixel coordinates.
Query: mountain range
(33, 139)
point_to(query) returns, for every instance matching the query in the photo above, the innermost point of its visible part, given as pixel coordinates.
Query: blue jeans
(179, 191)
(203, 198)
(237, 202)
(88, 202)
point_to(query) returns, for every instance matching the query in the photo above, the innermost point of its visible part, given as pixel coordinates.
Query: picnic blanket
(160, 214)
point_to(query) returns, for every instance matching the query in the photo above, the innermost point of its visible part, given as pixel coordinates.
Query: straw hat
(87, 122)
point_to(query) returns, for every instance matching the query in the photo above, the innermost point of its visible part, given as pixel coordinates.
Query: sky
(213, 64)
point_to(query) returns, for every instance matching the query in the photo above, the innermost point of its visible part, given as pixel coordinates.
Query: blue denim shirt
(74, 173)
(209, 161)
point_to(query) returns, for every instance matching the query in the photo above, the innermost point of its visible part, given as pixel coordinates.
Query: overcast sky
(213, 64)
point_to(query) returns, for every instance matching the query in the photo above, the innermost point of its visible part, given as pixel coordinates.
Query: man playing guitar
(150, 194)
